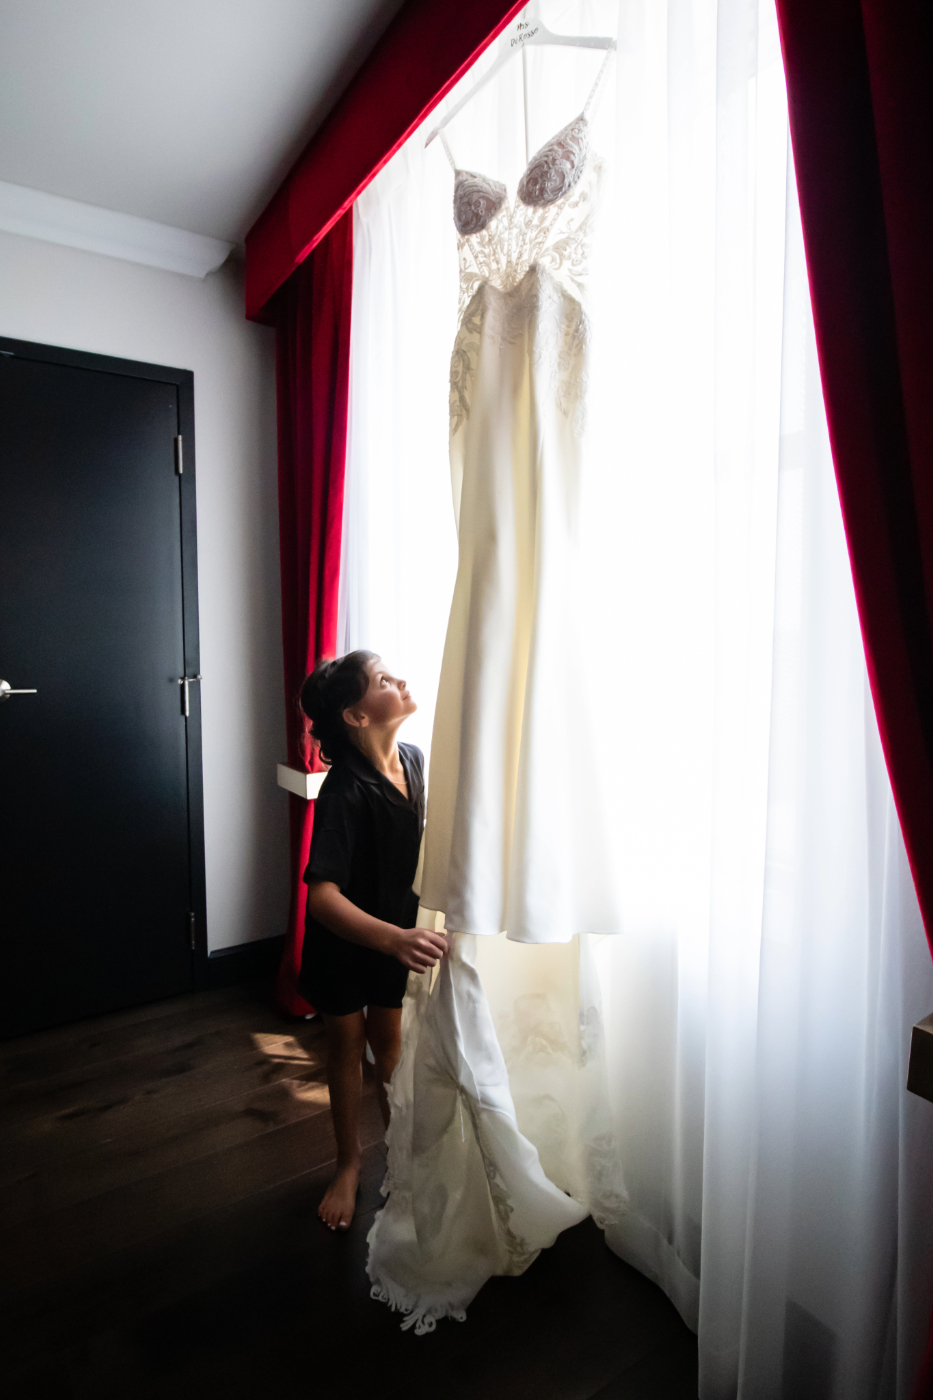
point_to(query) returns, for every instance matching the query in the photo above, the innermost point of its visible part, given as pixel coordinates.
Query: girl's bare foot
(336, 1209)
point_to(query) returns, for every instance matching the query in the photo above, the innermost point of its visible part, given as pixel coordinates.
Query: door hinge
(179, 456)
(192, 928)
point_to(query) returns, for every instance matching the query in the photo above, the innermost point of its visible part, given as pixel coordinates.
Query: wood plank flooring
(160, 1171)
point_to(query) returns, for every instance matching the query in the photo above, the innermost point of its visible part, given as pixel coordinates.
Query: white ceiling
(186, 112)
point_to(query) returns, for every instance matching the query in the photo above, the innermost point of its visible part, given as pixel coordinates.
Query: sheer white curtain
(758, 998)
(399, 557)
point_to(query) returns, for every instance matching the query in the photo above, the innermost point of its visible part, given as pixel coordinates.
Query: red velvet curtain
(860, 92)
(313, 371)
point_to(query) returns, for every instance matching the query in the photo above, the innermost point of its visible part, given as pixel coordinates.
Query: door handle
(6, 690)
(184, 682)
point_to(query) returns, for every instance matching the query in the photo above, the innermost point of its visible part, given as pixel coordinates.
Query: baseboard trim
(246, 962)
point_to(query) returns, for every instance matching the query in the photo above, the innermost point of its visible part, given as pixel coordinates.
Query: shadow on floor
(162, 1170)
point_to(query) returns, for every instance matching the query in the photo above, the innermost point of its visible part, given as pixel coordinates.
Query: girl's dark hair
(331, 688)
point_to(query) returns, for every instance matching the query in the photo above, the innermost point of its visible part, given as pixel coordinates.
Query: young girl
(360, 940)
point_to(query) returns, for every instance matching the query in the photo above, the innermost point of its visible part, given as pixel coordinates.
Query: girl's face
(387, 700)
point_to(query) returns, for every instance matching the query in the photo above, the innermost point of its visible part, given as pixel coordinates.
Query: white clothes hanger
(530, 34)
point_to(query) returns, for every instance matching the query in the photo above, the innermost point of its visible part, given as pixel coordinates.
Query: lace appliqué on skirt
(467, 1196)
(496, 1142)
(554, 328)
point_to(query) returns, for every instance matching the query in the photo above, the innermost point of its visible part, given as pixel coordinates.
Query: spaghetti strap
(599, 77)
(453, 163)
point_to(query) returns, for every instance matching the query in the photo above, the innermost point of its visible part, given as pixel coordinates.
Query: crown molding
(54, 219)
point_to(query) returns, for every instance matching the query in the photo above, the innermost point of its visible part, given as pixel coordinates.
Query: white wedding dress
(500, 1134)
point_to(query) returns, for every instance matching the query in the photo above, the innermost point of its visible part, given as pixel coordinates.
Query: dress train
(500, 1135)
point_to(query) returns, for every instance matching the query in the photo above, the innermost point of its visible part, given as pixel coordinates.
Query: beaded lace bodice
(525, 264)
(523, 268)
(547, 226)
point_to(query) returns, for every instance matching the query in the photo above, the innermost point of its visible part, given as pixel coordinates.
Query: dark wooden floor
(159, 1178)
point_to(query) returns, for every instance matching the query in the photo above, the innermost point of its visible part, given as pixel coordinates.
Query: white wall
(60, 296)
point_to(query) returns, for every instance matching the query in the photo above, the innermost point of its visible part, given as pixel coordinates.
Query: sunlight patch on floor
(286, 1050)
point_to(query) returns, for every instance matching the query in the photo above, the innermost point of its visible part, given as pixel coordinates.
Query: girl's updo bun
(331, 688)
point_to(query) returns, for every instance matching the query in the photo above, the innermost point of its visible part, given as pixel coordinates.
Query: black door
(101, 836)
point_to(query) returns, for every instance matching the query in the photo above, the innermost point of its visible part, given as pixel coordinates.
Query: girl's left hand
(419, 948)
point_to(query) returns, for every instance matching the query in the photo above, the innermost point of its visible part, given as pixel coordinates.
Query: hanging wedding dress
(500, 1134)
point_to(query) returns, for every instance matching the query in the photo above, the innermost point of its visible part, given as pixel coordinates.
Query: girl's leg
(384, 1033)
(346, 1039)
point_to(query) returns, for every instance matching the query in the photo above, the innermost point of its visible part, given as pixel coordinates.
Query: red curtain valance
(426, 49)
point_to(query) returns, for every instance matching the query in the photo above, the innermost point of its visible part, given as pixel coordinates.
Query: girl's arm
(416, 948)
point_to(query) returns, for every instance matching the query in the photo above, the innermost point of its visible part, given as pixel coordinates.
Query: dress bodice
(546, 227)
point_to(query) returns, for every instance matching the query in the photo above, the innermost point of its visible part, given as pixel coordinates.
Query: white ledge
(34, 214)
(302, 784)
